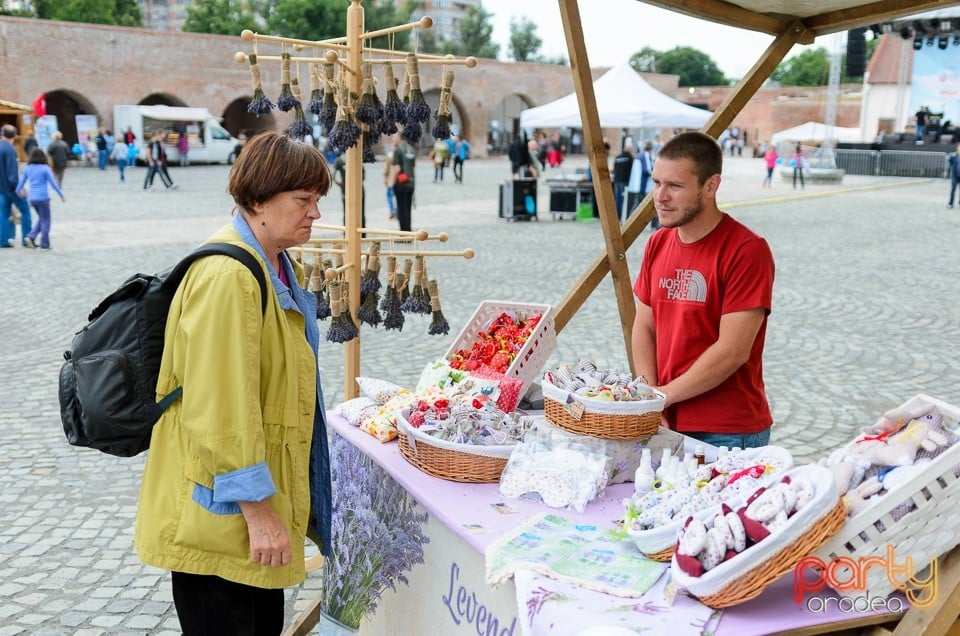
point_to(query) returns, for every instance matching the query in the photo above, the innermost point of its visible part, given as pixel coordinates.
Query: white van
(209, 141)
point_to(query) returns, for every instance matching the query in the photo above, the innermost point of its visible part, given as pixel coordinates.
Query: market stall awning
(624, 100)
(816, 131)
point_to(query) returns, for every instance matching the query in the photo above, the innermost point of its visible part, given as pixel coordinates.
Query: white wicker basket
(535, 352)
(662, 539)
(926, 532)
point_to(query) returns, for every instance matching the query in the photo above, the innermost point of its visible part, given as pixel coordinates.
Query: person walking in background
(29, 143)
(9, 200)
(38, 174)
(622, 165)
(770, 161)
(798, 159)
(129, 137)
(183, 147)
(461, 152)
(954, 174)
(157, 163)
(101, 142)
(921, 128)
(59, 153)
(239, 468)
(391, 198)
(403, 164)
(439, 154)
(705, 290)
(119, 154)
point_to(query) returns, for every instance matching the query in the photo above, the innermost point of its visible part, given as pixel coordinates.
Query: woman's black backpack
(108, 383)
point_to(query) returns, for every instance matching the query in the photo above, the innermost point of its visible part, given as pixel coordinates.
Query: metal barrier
(893, 163)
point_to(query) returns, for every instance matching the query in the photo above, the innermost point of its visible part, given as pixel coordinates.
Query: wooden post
(590, 279)
(615, 253)
(353, 192)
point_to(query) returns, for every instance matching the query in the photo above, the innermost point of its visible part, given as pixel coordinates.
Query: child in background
(39, 175)
(770, 160)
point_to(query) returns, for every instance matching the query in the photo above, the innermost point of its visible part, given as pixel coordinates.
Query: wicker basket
(659, 543)
(922, 534)
(450, 461)
(748, 574)
(600, 418)
(535, 351)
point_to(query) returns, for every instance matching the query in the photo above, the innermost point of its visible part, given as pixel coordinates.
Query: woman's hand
(269, 543)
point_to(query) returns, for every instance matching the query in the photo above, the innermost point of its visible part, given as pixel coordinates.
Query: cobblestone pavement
(864, 317)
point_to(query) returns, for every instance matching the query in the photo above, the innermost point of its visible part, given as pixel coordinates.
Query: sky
(615, 29)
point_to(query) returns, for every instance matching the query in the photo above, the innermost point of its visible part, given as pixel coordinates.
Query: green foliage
(475, 32)
(524, 41)
(223, 17)
(694, 67)
(810, 68)
(645, 60)
(115, 12)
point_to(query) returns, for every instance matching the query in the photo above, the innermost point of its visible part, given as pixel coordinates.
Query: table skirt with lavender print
(448, 593)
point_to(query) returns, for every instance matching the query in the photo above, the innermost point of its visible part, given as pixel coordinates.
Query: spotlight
(917, 44)
(942, 42)
(956, 39)
(946, 26)
(905, 33)
(886, 27)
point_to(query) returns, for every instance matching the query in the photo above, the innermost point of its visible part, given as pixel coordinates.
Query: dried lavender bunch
(370, 280)
(369, 156)
(286, 101)
(328, 112)
(316, 94)
(394, 110)
(346, 132)
(391, 297)
(368, 313)
(299, 127)
(367, 110)
(438, 323)
(260, 104)
(323, 304)
(417, 110)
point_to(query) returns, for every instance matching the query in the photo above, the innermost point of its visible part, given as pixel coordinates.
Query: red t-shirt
(689, 287)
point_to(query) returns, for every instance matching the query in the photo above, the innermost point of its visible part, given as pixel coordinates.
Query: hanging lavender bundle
(369, 110)
(345, 132)
(368, 312)
(394, 110)
(299, 127)
(405, 278)
(286, 101)
(328, 112)
(441, 130)
(419, 300)
(370, 279)
(260, 104)
(418, 110)
(316, 95)
(412, 128)
(350, 323)
(337, 331)
(369, 156)
(391, 297)
(438, 323)
(394, 318)
(316, 285)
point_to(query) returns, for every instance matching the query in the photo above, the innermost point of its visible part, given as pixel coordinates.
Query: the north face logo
(688, 284)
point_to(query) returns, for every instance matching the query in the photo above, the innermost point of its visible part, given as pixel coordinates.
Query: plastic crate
(535, 352)
(924, 533)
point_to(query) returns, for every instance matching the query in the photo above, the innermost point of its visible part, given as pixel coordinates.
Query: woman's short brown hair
(37, 155)
(272, 163)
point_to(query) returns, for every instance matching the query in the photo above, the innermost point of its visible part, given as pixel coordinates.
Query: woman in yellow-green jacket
(238, 470)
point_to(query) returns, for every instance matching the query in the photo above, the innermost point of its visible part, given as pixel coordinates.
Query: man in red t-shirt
(705, 289)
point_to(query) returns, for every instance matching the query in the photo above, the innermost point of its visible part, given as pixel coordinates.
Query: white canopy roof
(815, 131)
(624, 100)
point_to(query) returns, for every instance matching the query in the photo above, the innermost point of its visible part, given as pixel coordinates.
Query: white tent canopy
(815, 131)
(624, 100)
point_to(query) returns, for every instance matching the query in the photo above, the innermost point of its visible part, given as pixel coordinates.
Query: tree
(645, 60)
(694, 67)
(326, 19)
(524, 42)
(475, 32)
(115, 12)
(224, 17)
(810, 68)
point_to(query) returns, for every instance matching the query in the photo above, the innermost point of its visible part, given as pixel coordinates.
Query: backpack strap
(226, 249)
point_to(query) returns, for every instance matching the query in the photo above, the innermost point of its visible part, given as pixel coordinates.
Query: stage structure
(343, 95)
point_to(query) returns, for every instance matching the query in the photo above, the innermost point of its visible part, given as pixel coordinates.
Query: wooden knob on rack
(471, 62)
(426, 22)
(240, 57)
(330, 274)
(442, 237)
(421, 235)
(331, 56)
(246, 35)
(469, 253)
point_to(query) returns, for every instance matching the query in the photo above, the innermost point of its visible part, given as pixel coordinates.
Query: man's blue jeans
(8, 231)
(732, 440)
(102, 159)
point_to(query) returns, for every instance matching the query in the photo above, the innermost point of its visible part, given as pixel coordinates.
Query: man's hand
(269, 543)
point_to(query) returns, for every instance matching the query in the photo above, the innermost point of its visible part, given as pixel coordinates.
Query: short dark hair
(703, 150)
(8, 131)
(272, 163)
(37, 155)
